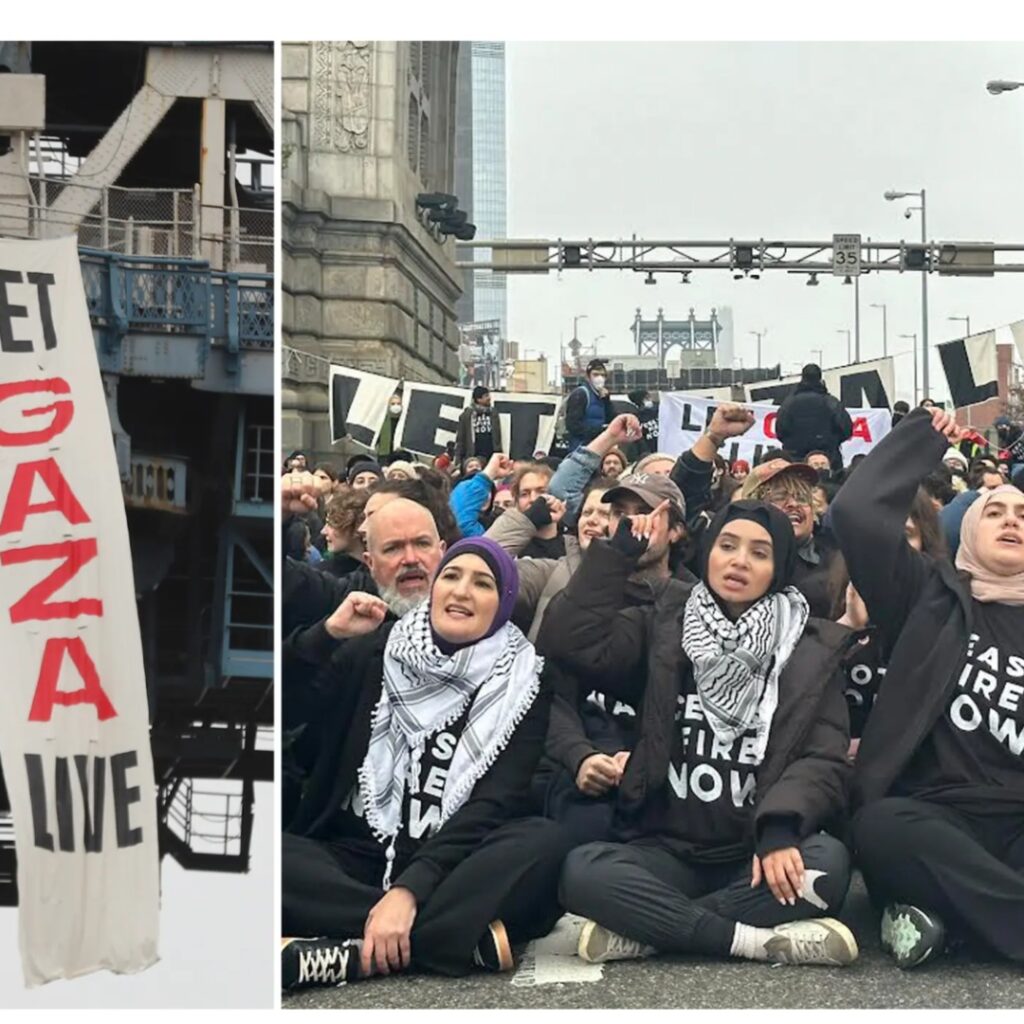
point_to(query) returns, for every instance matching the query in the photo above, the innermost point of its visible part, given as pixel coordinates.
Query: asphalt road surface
(955, 981)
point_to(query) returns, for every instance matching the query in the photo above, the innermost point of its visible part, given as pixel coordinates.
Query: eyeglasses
(786, 498)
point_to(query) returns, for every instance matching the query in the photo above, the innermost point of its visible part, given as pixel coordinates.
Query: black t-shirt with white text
(978, 742)
(863, 673)
(421, 811)
(483, 436)
(704, 812)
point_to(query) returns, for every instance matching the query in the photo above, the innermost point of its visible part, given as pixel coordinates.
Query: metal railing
(146, 222)
(150, 293)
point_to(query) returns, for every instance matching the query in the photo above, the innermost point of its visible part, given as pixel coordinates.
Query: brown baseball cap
(651, 488)
(771, 469)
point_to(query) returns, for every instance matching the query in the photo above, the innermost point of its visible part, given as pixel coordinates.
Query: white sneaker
(598, 945)
(822, 940)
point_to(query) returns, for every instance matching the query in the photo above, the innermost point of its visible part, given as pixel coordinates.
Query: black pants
(329, 888)
(587, 819)
(967, 869)
(647, 893)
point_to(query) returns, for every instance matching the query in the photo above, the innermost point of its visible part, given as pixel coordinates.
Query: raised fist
(357, 615)
(731, 420)
(298, 493)
(499, 466)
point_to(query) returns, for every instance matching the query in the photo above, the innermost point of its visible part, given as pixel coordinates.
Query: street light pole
(820, 357)
(924, 282)
(885, 340)
(966, 320)
(759, 335)
(913, 352)
(856, 315)
(847, 333)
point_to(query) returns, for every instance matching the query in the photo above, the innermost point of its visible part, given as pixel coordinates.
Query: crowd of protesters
(676, 699)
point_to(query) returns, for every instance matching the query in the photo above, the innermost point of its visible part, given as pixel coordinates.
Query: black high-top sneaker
(310, 962)
(911, 935)
(494, 952)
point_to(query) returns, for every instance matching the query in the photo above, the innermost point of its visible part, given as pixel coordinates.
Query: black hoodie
(811, 419)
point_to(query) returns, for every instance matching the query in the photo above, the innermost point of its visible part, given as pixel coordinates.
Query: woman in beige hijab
(939, 777)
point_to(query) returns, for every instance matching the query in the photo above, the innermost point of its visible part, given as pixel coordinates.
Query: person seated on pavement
(740, 760)
(864, 666)
(593, 730)
(939, 778)
(411, 847)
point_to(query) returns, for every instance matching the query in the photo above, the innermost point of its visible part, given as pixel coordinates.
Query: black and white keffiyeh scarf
(736, 665)
(426, 690)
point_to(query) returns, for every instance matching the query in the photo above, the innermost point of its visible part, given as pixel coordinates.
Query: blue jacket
(467, 499)
(951, 517)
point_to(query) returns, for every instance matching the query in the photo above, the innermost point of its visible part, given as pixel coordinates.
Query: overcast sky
(752, 140)
(217, 945)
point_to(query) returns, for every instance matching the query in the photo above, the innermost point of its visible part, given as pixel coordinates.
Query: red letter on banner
(18, 507)
(861, 429)
(47, 694)
(33, 606)
(769, 424)
(62, 410)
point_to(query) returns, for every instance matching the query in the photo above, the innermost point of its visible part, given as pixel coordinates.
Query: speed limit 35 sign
(846, 255)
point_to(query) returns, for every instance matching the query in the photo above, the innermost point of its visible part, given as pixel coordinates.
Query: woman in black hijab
(741, 758)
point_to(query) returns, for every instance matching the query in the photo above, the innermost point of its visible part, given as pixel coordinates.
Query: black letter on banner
(776, 394)
(65, 809)
(688, 423)
(94, 817)
(124, 797)
(343, 394)
(423, 420)
(37, 797)
(9, 312)
(524, 425)
(42, 283)
(863, 390)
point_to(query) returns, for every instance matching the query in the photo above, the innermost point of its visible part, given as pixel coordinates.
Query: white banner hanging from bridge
(74, 733)
(683, 417)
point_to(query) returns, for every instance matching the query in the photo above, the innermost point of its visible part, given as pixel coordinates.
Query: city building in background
(490, 177)
(159, 157)
(694, 342)
(368, 278)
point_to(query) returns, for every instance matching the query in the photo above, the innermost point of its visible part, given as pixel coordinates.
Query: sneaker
(309, 962)
(910, 935)
(822, 940)
(494, 952)
(598, 945)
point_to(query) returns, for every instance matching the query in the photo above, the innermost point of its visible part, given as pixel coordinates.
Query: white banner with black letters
(430, 419)
(74, 732)
(683, 417)
(358, 404)
(868, 385)
(972, 369)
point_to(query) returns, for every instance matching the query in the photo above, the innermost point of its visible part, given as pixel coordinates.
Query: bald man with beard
(403, 550)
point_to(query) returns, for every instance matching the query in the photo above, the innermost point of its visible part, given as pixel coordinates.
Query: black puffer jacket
(811, 419)
(636, 654)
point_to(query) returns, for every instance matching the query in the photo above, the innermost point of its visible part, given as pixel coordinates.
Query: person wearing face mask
(479, 430)
(939, 775)
(740, 759)
(411, 847)
(588, 410)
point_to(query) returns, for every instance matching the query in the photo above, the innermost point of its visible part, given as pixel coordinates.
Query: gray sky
(793, 140)
(217, 945)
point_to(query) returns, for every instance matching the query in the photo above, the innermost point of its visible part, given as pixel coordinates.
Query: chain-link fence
(156, 222)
